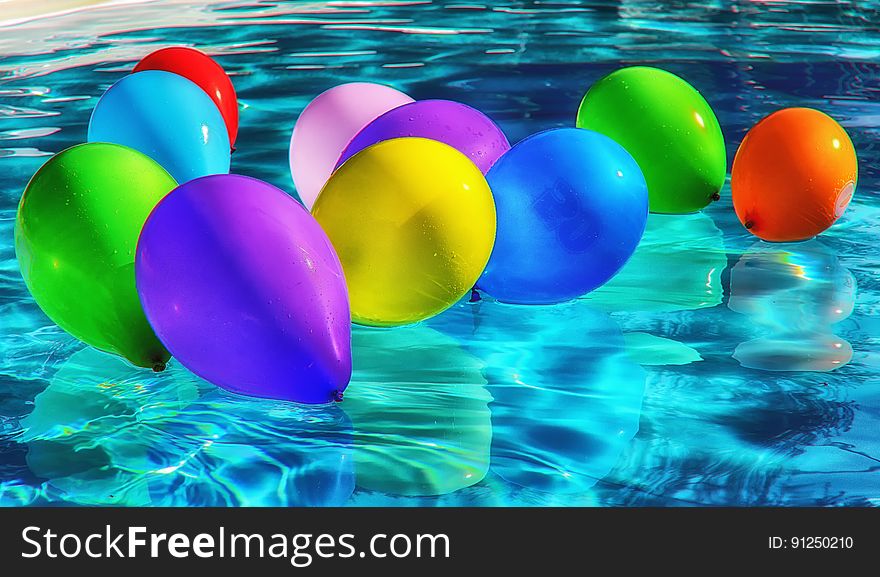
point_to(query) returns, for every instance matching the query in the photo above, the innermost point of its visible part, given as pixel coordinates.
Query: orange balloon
(794, 175)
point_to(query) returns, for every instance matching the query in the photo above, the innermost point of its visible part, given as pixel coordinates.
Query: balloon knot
(336, 396)
(158, 367)
(748, 224)
(475, 296)
(716, 197)
(232, 149)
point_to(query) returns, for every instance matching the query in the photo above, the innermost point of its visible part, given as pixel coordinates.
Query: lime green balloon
(668, 127)
(75, 236)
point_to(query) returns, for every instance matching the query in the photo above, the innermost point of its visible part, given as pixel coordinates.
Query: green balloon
(75, 236)
(668, 127)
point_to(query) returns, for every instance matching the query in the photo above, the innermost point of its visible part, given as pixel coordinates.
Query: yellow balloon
(413, 223)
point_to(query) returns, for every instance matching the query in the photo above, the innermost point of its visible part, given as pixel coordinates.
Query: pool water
(715, 369)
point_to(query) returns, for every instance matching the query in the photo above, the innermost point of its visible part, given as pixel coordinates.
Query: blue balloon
(166, 117)
(572, 206)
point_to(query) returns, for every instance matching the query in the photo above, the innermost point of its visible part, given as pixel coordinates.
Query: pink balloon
(328, 124)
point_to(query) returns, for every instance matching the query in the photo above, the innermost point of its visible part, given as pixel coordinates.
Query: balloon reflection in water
(677, 266)
(648, 349)
(105, 433)
(74, 432)
(420, 411)
(566, 398)
(793, 293)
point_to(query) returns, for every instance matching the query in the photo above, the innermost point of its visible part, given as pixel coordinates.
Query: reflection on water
(420, 412)
(106, 433)
(73, 434)
(677, 266)
(566, 399)
(648, 349)
(793, 293)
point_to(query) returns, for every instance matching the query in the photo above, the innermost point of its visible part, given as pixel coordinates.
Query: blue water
(714, 370)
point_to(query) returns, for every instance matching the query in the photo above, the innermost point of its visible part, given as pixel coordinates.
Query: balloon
(327, 125)
(572, 206)
(75, 236)
(669, 129)
(794, 175)
(792, 295)
(413, 222)
(166, 117)
(464, 128)
(200, 68)
(420, 412)
(245, 290)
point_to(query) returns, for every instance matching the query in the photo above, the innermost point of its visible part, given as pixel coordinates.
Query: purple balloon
(464, 128)
(242, 285)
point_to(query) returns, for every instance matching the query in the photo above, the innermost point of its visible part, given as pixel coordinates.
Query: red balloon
(201, 69)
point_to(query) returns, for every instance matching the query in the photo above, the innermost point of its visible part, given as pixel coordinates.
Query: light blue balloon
(166, 117)
(571, 207)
